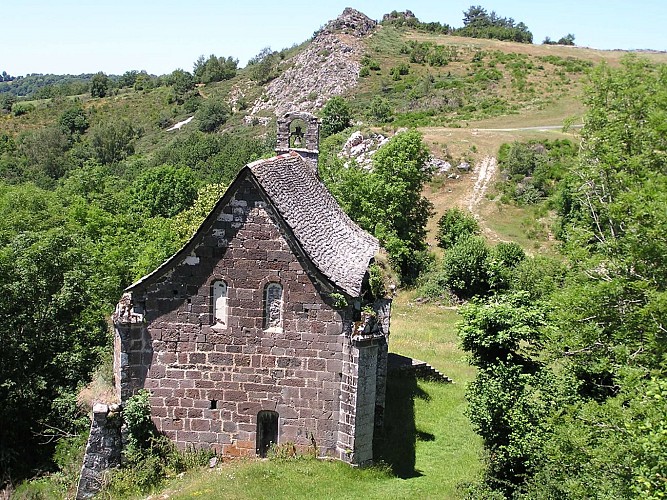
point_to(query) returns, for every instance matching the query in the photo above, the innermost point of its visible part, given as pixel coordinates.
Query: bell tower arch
(299, 132)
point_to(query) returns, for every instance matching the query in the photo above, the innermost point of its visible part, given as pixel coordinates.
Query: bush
(149, 457)
(465, 267)
(113, 141)
(211, 114)
(539, 276)
(454, 225)
(509, 254)
(380, 109)
(335, 116)
(74, 121)
(20, 108)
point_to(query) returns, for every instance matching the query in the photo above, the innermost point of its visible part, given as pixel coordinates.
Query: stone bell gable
(252, 334)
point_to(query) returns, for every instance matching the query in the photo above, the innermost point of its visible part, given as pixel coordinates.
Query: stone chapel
(262, 330)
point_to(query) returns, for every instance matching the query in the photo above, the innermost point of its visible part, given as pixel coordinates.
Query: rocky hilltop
(328, 67)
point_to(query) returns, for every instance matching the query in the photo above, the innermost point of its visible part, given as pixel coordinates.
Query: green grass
(428, 447)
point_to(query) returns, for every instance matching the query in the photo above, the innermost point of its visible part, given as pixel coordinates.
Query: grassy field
(427, 445)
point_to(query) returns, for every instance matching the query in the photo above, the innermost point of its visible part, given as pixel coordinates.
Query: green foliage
(214, 69)
(380, 110)
(477, 23)
(336, 116)
(264, 66)
(45, 153)
(22, 108)
(182, 82)
(52, 334)
(213, 157)
(465, 267)
(99, 85)
(7, 100)
(397, 71)
(137, 417)
(534, 168)
(148, 456)
(165, 190)
(564, 40)
(112, 141)
(74, 121)
(579, 397)
(433, 54)
(454, 225)
(388, 201)
(503, 336)
(370, 63)
(212, 114)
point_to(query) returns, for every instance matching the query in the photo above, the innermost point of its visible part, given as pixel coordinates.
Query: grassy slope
(428, 439)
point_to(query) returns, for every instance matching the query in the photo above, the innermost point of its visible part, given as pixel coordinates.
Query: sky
(159, 36)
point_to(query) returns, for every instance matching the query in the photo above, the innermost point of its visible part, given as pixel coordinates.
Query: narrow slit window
(273, 306)
(219, 303)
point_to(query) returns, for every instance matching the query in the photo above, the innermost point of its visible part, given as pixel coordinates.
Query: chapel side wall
(242, 367)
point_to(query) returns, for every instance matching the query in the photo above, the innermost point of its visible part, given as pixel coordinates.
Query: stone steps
(421, 369)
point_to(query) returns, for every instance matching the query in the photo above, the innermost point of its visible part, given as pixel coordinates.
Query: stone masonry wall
(208, 381)
(102, 451)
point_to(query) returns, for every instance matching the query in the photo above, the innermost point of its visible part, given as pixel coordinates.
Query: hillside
(97, 191)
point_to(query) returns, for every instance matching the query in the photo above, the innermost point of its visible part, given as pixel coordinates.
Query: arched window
(273, 306)
(219, 296)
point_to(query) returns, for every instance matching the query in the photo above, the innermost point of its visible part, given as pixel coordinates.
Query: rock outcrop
(328, 67)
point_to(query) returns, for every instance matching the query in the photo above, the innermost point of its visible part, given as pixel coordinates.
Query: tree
(182, 82)
(128, 78)
(45, 151)
(112, 141)
(335, 116)
(566, 40)
(212, 114)
(388, 201)
(476, 15)
(380, 109)
(99, 85)
(74, 121)
(568, 412)
(454, 225)
(263, 67)
(214, 69)
(52, 332)
(165, 191)
(507, 406)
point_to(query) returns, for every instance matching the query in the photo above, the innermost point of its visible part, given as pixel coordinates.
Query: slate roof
(339, 248)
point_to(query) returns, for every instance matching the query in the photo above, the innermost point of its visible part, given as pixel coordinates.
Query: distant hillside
(397, 73)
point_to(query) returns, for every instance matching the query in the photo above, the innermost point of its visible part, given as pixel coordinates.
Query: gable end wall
(186, 362)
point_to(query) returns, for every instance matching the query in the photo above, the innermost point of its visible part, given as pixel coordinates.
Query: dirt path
(486, 169)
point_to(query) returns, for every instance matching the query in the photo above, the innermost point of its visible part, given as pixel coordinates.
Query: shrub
(380, 109)
(509, 254)
(74, 121)
(335, 116)
(539, 276)
(454, 225)
(149, 457)
(20, 108)
(112, 141)
(211, 114)
(465, 267)
(370, 63)
(397, 71)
